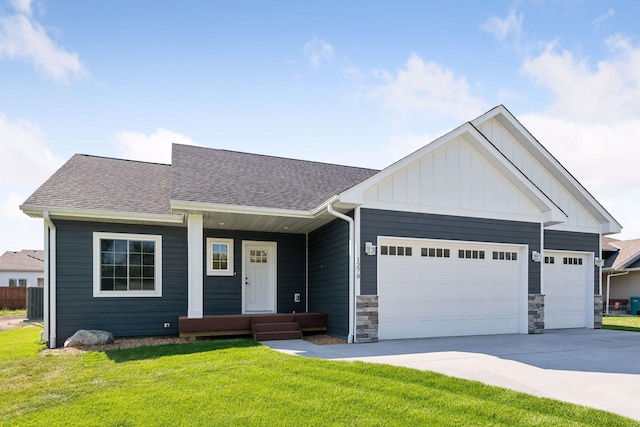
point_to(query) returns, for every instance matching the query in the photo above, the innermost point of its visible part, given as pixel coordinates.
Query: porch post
(195, 265)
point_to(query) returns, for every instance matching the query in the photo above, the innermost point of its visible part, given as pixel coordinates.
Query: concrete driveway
(596, 368)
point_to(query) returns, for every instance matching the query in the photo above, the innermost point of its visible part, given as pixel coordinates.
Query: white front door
(259, 277)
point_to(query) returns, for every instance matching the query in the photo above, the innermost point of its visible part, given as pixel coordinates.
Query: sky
(360, 83)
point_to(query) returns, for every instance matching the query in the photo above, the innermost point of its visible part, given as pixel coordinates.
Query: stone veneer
(536, 313)
(367, 318)
(597, 312)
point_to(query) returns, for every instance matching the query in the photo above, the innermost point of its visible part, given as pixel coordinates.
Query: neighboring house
(620, 273)
(23, 268)
(481, 231)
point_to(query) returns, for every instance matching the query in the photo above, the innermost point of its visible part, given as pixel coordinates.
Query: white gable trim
(609, 225)
(550, 212)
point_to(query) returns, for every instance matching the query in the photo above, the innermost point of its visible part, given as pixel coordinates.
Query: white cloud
(18, 231)
(149, 148)
(317, 50)
(21, 37)
(427, 89)
(501, 29)
(25, 159)
(608, 92)
(602, 18)
(593, 124)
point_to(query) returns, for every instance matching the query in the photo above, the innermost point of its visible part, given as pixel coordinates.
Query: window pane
(400, 251)
(424, 251)
(13, 283)
(120, 285)
(432, 252)
(514, 256)
(135, 284)
(460, 253)
(120, 245)
(135, 246)
(107, 271)
(407, 251)
(107, 245)
(148, 259)
(148, 247)
(135, 259)
(148, 285)
(120, 271)
(120, 259)
(481, 254)
(439, 253)
(107, 258)
(135, 271)
(383, 250)
(147, 272)
(106, 284)
(446, 253)
(392, 250)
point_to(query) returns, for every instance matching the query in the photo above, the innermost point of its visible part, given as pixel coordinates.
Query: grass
(621, 323)
(241, 383)
(9, 312)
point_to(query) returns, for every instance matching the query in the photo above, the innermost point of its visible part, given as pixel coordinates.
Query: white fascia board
(251, 210)
(606, 219)
(36, 212)
(550, 212)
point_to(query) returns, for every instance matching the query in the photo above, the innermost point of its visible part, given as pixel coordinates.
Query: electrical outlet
(296, 297)
(167, 325)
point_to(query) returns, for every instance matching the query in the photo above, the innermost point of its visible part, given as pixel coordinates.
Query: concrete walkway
(596, 368)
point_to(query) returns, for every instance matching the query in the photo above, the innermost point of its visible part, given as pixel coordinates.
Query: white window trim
(210, 271)
(97, 292)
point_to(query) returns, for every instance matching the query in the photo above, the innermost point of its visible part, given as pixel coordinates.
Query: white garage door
(431, 288)
(566, 285)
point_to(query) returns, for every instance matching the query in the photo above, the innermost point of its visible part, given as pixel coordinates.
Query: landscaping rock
(89, 337)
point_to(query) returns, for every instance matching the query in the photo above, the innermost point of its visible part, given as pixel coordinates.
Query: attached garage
(568, 289)
(432, 288)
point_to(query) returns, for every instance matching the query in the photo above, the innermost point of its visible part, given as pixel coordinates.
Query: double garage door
(431, 288)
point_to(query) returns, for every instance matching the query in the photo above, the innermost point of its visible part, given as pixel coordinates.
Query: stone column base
(536, 313)
(597, 312)
(366, 318)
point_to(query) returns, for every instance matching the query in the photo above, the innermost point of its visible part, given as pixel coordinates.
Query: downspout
(351, 337)
(609, 276)
(51, 280)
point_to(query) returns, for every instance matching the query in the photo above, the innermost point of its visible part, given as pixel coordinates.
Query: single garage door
(432, 288)
(566, 285)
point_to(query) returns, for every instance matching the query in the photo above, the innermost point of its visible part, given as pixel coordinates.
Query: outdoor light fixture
(536, 256)
(369, 248)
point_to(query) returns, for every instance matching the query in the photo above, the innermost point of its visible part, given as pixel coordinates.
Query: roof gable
(524, 150)
(628, 254)
(461, 173)
(221, 177)
(25, 260)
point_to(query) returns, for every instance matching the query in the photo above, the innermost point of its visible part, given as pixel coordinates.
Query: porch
(261, 327)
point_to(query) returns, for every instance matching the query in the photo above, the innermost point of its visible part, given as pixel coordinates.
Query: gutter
(330, 210)
(609, 276)
(50, 277)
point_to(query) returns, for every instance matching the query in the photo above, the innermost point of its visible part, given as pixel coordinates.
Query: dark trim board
(375, 223)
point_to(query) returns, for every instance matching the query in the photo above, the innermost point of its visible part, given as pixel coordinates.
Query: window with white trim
(127, 265)
(219, 257)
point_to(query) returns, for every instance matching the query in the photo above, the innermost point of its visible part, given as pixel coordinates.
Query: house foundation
(366, 318)
(536, 313)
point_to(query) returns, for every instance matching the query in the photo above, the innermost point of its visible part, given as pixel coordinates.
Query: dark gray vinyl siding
(376, 223)
(574, 241)
(329, 275)
(223, 294)
(124, 317)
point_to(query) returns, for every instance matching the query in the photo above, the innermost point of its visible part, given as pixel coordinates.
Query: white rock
(89, 337)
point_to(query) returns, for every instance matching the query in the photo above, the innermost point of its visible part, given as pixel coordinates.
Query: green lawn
(8, 312)
(622, 323)
(238, 382)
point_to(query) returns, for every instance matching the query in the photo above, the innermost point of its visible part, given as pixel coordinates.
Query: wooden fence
(13, 298)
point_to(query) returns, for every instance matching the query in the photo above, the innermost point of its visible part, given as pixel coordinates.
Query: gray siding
(574, 241)
(329, 275)
(78, 309)
(223, 294)
(376, 223)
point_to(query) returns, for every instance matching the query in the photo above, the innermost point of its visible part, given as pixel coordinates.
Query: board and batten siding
(77, 308)
(579, 219)
(376, 223)
(574, 241)
(223, 294)
(329, 275)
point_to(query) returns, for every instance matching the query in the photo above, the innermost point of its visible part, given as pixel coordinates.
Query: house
(23, 268)
(620, 273)
(482, 231)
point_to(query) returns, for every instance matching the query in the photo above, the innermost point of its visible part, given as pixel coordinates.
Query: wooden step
(277, 335)
(268, 329)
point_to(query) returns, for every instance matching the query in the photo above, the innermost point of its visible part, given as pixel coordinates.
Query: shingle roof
(227, 177)
(607, 243)
(106, 184)
(25, 260)
(628, 253)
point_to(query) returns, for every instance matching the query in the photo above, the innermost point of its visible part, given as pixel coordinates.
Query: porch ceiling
(268, 223)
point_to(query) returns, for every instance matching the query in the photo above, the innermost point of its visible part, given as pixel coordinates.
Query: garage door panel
(566, 285)
(422, 296)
